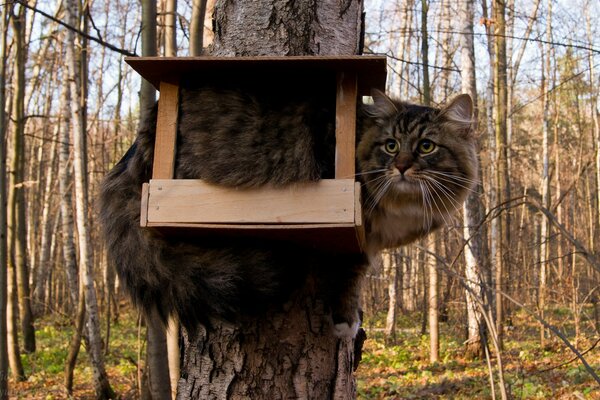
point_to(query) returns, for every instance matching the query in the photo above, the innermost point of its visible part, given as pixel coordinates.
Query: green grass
(45, 368)
(403, 371)
(399, 371)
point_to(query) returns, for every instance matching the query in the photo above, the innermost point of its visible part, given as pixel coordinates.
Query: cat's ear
(382, 107)
(458, 114)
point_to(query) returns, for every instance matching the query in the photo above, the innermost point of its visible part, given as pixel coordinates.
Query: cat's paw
(344, 330)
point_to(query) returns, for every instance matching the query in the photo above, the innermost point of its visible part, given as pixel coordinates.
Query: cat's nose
(403, 162)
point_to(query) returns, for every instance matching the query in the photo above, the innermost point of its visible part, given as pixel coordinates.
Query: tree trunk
(157, 363)
(3, 216)
(101, 384)
(502, 178)
(173, 354)
(170, 28)
(473, 211)
(197, 27)
(289, 353)
(47, 223)
(18, 220)
(157, 371)
(432, 302)
(390, 269)
(66, 198)
(164, 343)
(425, 53)
(75, 343)
(545, 184)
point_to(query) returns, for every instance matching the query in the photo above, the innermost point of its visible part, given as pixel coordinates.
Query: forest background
(503, 302)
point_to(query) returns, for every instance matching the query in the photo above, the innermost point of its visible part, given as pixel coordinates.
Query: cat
(415, 164)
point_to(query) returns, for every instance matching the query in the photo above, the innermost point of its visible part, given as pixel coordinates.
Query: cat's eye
(426, 146)
(391, 146)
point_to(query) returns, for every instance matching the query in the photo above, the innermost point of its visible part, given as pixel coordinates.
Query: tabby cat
(415, 163)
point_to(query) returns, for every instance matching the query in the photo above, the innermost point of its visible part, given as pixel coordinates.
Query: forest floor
(399, 371)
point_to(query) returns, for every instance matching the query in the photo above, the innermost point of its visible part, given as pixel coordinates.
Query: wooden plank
(144, 206)
(371, 69)
(194, 201)
(166, 131)
(248, 227)
(345, 125)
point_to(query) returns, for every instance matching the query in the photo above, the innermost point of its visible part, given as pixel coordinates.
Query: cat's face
(416, 162)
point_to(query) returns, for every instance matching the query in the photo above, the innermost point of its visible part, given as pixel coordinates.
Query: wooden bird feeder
(324, 214)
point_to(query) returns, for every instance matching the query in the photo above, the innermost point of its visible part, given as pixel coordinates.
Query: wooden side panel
(345, 125)
(357, 206)
(166, 131)
(144, 206)
(194, 201)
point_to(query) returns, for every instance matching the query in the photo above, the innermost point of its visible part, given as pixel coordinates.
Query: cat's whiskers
(374, 195)
(456, 180)
(378, 194)
(430, 183)
(446, 191)
(428, 220)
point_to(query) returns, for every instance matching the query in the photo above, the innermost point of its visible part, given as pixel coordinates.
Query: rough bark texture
(197, 27)
(475, 252)
(101, 384)
(17, 197)
(290, 352)
(3, 216)
(159, 383)
(275, 27)
(502, 178)
(390, 268)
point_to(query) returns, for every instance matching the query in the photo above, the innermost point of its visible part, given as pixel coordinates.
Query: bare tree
(502, 178)
(101, 384)
(3, 216)
(197, 27)
(170, 28)
(475, 260)
(390, 268)
(433, 316)
(545, 184)
(17, 188)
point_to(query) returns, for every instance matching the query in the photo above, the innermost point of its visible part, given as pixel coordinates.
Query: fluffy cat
(415, 164)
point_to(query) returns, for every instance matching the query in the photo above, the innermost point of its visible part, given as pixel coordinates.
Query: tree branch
(72, 28)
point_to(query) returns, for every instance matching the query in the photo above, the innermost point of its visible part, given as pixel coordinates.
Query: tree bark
(432, 302)
(157, 371)
(157, 363)
(275, 27)
(3, 216)
(502, 177)
(18, 220)
(289, 352)
(425, 53)
(66, 198)
(390, 270)
(473, 210)
(47, 223)
(197, 27)
(170, 28)
(545, 184)
(173, 354)
(101, 384)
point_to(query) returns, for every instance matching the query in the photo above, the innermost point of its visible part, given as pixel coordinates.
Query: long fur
(242, 139)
